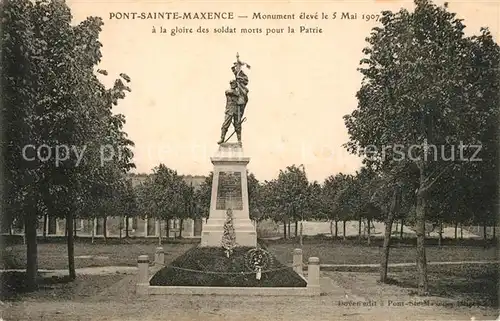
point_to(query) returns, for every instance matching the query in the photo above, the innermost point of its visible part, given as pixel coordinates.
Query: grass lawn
(92, 297)
(472, 285)
(352, 253)
(460, 286)
(54, 255)
(56, 288)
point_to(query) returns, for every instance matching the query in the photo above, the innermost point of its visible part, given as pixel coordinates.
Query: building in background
(115, 226)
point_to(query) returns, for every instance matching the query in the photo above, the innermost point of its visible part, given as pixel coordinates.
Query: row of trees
(426, 84)
(165, 196)
(365, 196)
(54, 104)
(422, 86)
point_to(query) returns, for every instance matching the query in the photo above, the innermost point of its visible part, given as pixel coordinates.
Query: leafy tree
(269, 204)
(292, 196)
(21, 77)
(316, 205)
(330, 189)
(166, 196)
(421, 88)
(129, 203)
(52, 97)
(203, 195)
(335, 192)
(253, 197)
(188, 204)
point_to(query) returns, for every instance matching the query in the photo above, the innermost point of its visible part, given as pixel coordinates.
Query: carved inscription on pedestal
(229, 193)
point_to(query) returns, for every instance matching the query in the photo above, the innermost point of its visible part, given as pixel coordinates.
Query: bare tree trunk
(301, 237)
(440, 233)
(421, 259)
(494, 231)
(71, 246)
(93, 229)
(395, 205)
(359, 229)
(289, 229)
(31, 251)
(105, 228)
(485, 237)
(461, 232)
(74, 227)
(159, 232)
(296, 228)
(167, 229)
(336, 229)
(402, 227)
(368, 241)
(126, 227)
(45, 220)
(343, 232)
(331, 230)
(181, 226)
(284, 229)
(385, 250)
(121, 227)
(456, 230)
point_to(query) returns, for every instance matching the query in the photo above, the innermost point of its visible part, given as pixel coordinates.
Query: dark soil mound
(205, 266)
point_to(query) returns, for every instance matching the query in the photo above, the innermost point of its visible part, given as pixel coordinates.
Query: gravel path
(347, 296)
(107, 270)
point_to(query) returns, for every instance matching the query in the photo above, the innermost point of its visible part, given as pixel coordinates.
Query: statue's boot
(238, 135)
(222, 137)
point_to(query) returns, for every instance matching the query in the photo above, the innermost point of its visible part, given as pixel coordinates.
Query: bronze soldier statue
(236, 101)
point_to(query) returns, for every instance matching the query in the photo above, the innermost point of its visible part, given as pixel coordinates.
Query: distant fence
(270, 229)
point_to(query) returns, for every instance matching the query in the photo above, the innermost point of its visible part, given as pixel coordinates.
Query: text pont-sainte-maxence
(117, 15)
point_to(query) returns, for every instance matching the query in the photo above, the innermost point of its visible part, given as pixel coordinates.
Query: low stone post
(297, 261)
(313, 276)
(159, 257)
(143, 275)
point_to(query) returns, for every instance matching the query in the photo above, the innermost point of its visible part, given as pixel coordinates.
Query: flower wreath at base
(257, 260)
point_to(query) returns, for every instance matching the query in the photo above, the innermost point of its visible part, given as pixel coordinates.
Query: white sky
(300, 84)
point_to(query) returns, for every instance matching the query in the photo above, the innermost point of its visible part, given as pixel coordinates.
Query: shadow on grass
(473, 285)
(10, 240)
(14, 287)
(13, 284)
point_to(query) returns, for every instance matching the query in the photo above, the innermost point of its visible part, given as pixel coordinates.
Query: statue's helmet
(232, 82)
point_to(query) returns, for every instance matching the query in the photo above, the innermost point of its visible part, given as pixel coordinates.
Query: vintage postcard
(249, 160)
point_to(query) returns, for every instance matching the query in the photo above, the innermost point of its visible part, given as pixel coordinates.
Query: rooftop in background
(139, 178)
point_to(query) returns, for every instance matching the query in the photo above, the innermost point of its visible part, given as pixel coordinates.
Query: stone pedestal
(229, 190)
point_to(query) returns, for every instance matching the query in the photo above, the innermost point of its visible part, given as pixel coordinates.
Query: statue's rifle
(241, 122)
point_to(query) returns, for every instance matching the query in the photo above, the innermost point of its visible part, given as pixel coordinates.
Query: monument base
(229, 191)
(244, 230)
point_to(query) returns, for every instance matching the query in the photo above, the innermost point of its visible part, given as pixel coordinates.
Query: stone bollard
(313, 276)
(297, 261)
(159, 257)
(143, 275)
